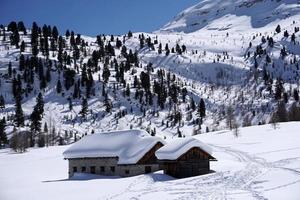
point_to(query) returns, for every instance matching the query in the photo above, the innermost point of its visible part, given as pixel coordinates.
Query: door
(93, 169)
(148, 169)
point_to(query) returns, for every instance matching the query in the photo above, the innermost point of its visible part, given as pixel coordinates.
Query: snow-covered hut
(185, 158)
(119, 153)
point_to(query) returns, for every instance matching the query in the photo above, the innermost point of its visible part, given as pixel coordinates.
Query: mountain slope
(243, 71)
(233, 15)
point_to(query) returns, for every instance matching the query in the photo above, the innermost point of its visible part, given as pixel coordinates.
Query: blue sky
(92, 17)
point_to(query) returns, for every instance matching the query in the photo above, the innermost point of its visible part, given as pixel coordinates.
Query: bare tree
(236, 129)
(274, 121)
(230, 117)
(19, 141)
(246, 121)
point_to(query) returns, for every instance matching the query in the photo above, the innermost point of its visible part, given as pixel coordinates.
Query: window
(93, 169)
(83, 169)
(102, 169)
(74, 169)
(112, 168)
(126, 171)
(148, 169)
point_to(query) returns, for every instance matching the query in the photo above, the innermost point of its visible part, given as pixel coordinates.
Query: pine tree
(84, 108)
(4, 35)
(58, 87)
(142, 43)
(278, 29)
(19, 116)
(127, 90)
(34, 38)
(296, 95)
(67, 33)
(48, 74)
(167, 49)
(76, 91)
(129, 34)
(9, 69)
(201, 108)
(184, 93)
(70, 103)
(21, 27)
(15, 38)
(21, 62)
(159, 48)
(106, 73)
(286, 34)
(72, 39)
(40, 104)
(17, 86)
(22, 47)
(285, 97)
(3, 137)
(55, 33)
(2, 102)
(278, 90)
(145, 80)
(192, 104)
(107, 104)
(293, 38)
(36, 124)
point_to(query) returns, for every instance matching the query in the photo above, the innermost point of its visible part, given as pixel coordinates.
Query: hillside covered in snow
(233, 15)
(262, 163)
(184, 79)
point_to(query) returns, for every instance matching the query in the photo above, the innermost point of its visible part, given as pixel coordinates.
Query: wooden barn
(119, 153)
(185, 158)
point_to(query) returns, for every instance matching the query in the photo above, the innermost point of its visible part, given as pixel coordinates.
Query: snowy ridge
(129, 146)
(224, 15)
(177, 147)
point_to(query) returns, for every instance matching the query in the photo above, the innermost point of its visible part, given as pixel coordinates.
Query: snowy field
(262, 163)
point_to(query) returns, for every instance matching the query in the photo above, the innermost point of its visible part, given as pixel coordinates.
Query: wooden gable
(195, 153)
(149, 157)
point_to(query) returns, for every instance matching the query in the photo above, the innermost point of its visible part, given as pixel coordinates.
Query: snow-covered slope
(233, 15)
(223, 69)
(262, 163)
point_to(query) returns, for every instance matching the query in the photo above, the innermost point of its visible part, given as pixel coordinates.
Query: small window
(93, 169)
(112, 168)
(83, 169)
(126, 171)
(74, 169)
(102, 169)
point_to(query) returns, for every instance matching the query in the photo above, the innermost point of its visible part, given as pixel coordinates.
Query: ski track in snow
(218, 185)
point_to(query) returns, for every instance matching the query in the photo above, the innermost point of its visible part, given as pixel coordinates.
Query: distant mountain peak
(230, 14)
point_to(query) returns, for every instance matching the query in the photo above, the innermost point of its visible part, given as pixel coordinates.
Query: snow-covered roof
(178, 147)
(128, 145)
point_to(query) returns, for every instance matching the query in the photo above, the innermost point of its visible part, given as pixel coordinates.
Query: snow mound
(176, 148)
(128, 145)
